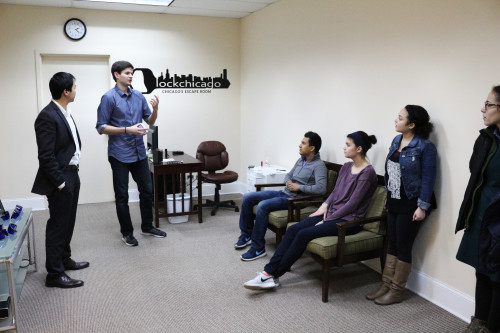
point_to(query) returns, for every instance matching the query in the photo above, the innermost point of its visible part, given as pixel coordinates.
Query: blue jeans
(295, 242)
(141, 175)
(266, 201)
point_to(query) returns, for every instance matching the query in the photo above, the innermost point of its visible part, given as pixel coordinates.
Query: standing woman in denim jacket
(410, 175)
(480, 216)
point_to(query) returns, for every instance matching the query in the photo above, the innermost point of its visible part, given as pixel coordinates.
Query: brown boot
(395, 293)
(485, 330)
(387, 275)
(475, 326)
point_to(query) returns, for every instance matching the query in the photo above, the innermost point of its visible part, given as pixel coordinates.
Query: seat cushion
(326, 247)
(376, 208)
(279, 218)
(219, 177)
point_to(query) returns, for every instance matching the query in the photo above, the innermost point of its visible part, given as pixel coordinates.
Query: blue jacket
(418, 169)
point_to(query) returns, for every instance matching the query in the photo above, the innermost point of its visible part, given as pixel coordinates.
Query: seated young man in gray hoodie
(308, 176)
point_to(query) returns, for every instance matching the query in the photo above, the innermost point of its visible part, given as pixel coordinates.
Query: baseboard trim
(446, 297)
(35, 203)
(441, 294)
(40, 202)
(207, 190)
(231, 188)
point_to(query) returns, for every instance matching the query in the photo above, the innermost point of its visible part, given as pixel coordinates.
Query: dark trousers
(59, 231)
(401, 234)
(141, 175)
(488, 301)
(295, 242)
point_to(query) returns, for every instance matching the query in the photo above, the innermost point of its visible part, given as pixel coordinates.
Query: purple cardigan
(352, 194)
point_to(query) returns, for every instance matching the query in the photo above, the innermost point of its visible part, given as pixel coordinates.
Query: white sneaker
(262, 281)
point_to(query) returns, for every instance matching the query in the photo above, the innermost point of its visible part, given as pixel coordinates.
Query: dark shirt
(123, 110)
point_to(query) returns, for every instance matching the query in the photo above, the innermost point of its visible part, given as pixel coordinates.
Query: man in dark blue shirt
(119, 115)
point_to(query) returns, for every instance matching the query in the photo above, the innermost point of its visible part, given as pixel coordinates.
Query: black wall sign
(190, 81)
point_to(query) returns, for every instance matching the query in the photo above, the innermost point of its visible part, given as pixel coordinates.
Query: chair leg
(382, 261)
(279, 236)
(325, 277)
(216, 195)
(216, 203)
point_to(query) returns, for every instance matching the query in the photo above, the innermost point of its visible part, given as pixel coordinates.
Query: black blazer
(56, 147)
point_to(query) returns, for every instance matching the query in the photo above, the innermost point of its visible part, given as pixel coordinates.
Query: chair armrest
(259, 187)
(310, 200)
(302, 204)
(347, 224)
(342, 226)
(292, 202)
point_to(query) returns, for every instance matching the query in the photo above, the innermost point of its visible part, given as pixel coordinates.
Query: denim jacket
(418, 168)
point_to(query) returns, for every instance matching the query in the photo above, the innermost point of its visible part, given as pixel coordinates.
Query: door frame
(38, 68)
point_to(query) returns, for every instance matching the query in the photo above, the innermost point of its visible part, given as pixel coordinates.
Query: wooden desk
(188, 166)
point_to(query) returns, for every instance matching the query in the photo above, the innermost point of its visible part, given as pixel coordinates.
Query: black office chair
(214, 157)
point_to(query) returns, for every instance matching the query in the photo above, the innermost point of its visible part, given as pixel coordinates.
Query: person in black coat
(480, 217)
(57, 177)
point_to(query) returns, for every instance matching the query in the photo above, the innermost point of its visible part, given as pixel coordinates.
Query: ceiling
(217, 8)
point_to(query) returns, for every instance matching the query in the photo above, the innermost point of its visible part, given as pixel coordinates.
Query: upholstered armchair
(369, 243)
(278, 220)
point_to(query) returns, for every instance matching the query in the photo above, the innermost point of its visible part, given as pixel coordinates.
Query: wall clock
(75, 29)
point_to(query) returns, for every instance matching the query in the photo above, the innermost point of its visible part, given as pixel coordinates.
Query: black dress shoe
(62, 281)
(71, 265)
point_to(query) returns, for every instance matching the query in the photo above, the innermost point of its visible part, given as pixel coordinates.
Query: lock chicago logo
(180, 83)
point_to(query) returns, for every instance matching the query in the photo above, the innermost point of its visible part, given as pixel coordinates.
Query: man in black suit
(57, 178)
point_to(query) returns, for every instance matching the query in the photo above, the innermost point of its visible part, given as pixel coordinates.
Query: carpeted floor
(192, 281)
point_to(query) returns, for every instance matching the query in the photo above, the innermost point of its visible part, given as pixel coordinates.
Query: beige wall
(185, 44)
(339, 66)
(324, 65)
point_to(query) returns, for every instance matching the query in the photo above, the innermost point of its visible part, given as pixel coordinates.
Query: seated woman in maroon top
(349, 201)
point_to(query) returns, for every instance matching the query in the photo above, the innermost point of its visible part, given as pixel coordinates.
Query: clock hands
(75, 29)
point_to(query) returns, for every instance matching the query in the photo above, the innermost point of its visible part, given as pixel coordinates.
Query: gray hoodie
(311, 176)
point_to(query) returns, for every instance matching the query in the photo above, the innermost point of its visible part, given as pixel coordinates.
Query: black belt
(73, 167)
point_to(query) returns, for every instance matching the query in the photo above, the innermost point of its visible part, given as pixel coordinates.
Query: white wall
(337, 66)
(184, 44)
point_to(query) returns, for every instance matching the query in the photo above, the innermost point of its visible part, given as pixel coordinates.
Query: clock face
(75, 29)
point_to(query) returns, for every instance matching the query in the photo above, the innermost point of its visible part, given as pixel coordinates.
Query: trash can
(178, 207)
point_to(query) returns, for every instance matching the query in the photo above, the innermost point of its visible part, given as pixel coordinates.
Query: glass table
(14, 266)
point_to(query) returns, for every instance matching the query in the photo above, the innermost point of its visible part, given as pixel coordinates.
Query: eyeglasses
(489, 105)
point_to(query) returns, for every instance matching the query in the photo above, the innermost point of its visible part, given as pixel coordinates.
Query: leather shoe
(71, 265)
(62, 281)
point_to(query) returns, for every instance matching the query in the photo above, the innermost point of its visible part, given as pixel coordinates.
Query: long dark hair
(419, 116)
(363, 140)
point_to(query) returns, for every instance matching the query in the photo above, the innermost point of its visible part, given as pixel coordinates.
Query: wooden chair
(369, 243)
(278, 220)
